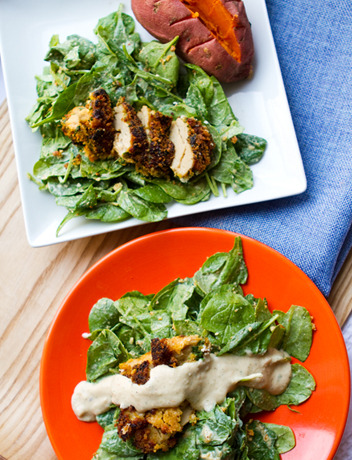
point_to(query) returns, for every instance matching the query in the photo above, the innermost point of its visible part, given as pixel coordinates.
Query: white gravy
(202, 383)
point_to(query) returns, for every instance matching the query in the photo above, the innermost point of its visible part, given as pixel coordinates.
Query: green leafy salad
(212, 306)
(144, 74)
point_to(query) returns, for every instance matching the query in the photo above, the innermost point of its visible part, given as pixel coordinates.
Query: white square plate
(260, 104)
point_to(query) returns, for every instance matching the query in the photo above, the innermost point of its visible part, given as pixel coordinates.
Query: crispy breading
(202, 144)
(92, 126)
(162, 353)
(130, 367)
(157, 159)
(129, 422)
(179, 343)
(141, 373)
(168, 420)
(152, 431)
(150, 439)
(170, 351)
(101, 132)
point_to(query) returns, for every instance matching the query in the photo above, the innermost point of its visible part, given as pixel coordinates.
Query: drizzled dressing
(202, 383)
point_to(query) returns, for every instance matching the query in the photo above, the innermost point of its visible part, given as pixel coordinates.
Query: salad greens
(145, 74)
(213, 305)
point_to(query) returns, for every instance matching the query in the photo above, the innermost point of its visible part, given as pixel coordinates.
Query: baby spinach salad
(111, 190)
(212, 305)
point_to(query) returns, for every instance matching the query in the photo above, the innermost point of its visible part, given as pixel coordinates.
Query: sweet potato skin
(166, 19)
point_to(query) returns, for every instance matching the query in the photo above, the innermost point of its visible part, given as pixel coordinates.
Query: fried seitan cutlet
(193, 147)
(156, 144)
(158, 157)
(156, 429)
(131, 140)
(92, 126)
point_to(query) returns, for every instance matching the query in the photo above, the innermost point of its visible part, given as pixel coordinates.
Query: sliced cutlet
(193, 147)
(101, 132)
(92, 125)
(158, 158)
(130, 139)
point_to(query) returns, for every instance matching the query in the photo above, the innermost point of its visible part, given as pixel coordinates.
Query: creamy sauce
(202, 383)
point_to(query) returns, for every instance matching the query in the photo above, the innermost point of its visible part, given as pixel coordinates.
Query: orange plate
(149, 263)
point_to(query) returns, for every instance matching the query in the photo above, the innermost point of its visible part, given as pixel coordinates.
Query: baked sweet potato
(214, 34)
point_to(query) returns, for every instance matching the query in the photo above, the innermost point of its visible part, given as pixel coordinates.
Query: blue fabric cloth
(314, 45)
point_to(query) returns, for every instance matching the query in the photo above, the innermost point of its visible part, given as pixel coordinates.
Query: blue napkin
(314, 45)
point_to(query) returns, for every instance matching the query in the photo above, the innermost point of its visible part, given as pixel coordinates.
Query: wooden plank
(340, 297)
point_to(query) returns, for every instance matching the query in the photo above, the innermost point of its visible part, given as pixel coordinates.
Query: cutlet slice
(193, 147)
(101, 132)
(92, 126)
(152, 431)
(157, 159)
(171, 352)
(130, 139)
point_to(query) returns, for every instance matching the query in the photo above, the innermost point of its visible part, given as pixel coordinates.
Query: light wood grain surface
(33, 283)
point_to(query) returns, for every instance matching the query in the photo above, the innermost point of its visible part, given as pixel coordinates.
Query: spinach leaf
(186, 448)
(187, 327)
(219, 112)
(135, 314)
(75, 53)
(52, 166)
(135, 343)
(173, 298)
(224, 312)
(134, 306)
(186, 193)
(285, 440)
(161, 59)
(299, 331)
(161, 325)
(153, 193)
(104, 355)
(112, 447)
(103, 315)
(117, 30)
(254, 337)
(262, 441)
(102, 211)
(222, 268)
(62, 105)
(133, 303)
(108, 418)
(300, 388)
(250, 148)
(101, 170)
(262, 399)
(140, 208)
(233, 170)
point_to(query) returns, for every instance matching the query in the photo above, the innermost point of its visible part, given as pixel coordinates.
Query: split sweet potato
(214, 34)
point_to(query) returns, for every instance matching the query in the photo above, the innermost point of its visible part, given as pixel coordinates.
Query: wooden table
(33, 283)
